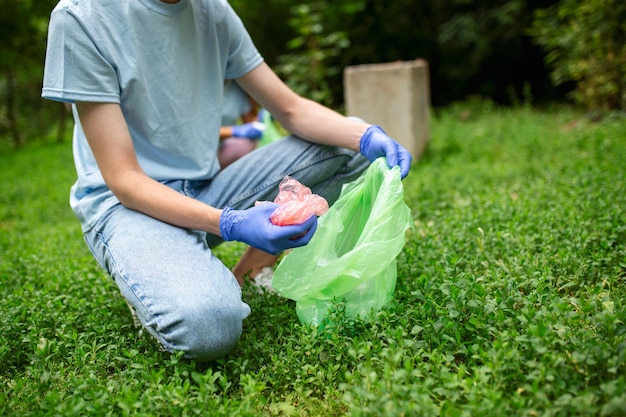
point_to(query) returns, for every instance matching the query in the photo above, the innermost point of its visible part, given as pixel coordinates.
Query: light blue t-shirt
(165, 64)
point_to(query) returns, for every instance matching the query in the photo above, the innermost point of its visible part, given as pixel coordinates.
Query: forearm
(226, 132)
(139, 192)
(303, 117)
(319, 124)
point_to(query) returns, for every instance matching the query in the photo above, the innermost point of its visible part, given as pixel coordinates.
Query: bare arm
(301, 116)
(226, 132)
(109, 138)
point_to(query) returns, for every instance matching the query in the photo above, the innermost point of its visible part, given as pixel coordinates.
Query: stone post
(394, 95)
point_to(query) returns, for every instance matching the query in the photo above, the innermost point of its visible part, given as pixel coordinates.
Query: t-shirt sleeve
(75, 69)
(243, 55)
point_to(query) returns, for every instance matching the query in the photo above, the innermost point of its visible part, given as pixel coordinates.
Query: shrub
(585, 42)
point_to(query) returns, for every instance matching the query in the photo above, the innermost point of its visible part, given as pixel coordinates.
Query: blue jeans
(184, 296)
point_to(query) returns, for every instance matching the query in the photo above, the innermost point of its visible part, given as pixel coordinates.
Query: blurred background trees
(23, 26)
(585, 41)
(506, 50)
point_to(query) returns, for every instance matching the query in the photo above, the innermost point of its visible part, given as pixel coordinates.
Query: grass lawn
(511, 295)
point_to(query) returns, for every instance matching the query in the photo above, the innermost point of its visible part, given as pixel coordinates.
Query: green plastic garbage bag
(352, 255)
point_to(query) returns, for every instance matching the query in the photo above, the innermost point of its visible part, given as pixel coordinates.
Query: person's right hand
(253, 226)
(252, 130)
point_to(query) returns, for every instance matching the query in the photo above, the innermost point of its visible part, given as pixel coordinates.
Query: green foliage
(311, 61)
(586, 43)
(472, 46)
(478, 29)
(476, 47)
(267, 23)
(23, 28)
(510, 295)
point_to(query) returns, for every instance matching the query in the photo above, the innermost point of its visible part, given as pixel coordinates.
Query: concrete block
(394, 95)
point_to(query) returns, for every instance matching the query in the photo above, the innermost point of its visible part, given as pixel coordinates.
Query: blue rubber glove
(375, 143)
(253, 226)
(252, 130)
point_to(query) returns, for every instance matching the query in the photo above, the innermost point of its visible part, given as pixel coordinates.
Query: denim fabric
(184, 296)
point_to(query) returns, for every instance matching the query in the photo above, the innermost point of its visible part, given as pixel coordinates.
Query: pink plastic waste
(297, 203)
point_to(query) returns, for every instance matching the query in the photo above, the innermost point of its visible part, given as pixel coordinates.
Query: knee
(207, 332)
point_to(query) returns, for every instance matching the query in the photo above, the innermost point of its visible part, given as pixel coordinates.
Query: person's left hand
(252, 130)
(375, 143)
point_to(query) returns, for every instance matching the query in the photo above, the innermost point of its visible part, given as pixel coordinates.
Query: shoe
(133, 313)
(263, 280)
(137, 324)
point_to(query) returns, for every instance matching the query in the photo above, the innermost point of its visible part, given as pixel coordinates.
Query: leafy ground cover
(511, 297)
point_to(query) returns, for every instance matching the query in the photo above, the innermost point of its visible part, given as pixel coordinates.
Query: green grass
(511, 296)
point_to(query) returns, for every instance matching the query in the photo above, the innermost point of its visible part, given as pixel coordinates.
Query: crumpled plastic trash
(297, 203)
